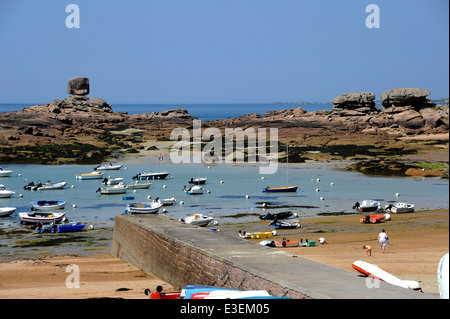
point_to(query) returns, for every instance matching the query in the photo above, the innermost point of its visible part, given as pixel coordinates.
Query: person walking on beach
(383, 240)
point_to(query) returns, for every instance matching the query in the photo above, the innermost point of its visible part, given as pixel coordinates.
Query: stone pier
(182, 254)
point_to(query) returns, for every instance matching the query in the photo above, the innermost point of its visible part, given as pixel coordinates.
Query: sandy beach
(418, 241)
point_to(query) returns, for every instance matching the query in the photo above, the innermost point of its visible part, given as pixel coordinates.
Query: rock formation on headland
(84, 129)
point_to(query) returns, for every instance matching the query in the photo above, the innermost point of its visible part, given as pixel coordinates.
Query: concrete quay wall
(182, 254)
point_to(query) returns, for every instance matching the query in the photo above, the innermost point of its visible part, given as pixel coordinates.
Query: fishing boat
(167, 201)
(194, 190)
(89, 176)
(143, 208)
(47, 186)
(197, 220)
(116, 189)
(372, 219)
(197, 181)
(138, 185)
(108, 167)
(112, 181)
(374, 271)
(280, 215)
(61, 228)
(5, 172)
(285, 224)
(41, 217)
(48, 205)
(5, 193)
(7, 211)
(367, 205)
(400, 207)
(151, 176)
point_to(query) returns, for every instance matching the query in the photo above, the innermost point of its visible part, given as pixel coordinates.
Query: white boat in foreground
(88, 176)
(7, 211)
(41, 217)
(5, 172)
(400, 207)
(5, 193)
(197, 220)
(143, 208)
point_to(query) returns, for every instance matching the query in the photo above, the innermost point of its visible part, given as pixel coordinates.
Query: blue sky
(221, 51)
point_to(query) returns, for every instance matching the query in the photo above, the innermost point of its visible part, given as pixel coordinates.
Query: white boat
(224, 294)
(6, 211)
(45, 187)
(400, 207)
(41, 217)
(138, 185)
(167, 201)
(48, 205)
(5, 193)
(112, 181)
(116, 189)
(367, 205)
(443, 274)
(88, 176)
(151, 176)
(108, 167)
(5, 173)
(143, 208)
(197, 181)
(194, 190)
(197, 220)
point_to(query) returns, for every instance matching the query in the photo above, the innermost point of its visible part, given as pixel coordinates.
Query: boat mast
(287, 163)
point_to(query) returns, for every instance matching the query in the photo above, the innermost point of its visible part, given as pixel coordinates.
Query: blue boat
(61, 228)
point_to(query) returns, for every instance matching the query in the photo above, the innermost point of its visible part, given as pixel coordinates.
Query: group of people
(382, 240)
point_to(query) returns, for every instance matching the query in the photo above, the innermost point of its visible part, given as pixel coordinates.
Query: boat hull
(152, 176)
(36, 218)
(288, 189)
(48, 205)
(90, 176)
(143, 208)
(7, 211)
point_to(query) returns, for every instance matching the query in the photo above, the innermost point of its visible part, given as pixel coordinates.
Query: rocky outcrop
(406, 97)
(354, 104)
(393, 168)
(78, 86)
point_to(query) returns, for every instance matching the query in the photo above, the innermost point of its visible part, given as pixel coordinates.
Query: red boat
(372, 219)
(158, 294)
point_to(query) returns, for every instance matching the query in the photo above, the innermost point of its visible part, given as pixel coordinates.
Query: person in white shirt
(383, 240)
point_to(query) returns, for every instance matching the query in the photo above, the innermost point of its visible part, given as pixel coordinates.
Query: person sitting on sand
(368, 250)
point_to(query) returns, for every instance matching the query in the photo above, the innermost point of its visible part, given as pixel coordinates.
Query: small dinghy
(89, 176)
(7, 211)
(44, 187)
(61, 228)
(48, 205)
(151, 176)
(137, 185)
(285, 224)
(367, 206)
(256, 235)
(108, 167)
(399, 208)
(143, 208)
(373, 219)
(197, 220)
(167, 201)
(41, 217)
(281, 215)
(194, 190)
(116, 189)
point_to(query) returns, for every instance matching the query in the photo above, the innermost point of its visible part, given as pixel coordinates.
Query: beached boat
(256, 235)
(5, 172)
(151, 176)
(400, 207)
(286, 189)
(374, 271)
(108, 167)
(194, 190)
(116, 189)
(41, 217)
(48, 205)
(280, 215)
(5, 193)
(61, 228)
(443, 277)
(112, 181)
(89, 176)
(373, 219)
(143, 208)
(44, 187)
(7, 211)
(159, 294)
(167, 201)
(138, 185)
(285, 224)
(208, 292)
(197, 220)
(197, 181)
(367, 205)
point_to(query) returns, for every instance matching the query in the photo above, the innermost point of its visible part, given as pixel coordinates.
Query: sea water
(230, 191)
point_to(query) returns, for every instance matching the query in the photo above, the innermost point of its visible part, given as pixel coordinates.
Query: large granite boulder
(78, 86)
(406, 97)
(354, 104)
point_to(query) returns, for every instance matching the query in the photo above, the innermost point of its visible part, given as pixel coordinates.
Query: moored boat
(400, 207)
(280, 215)
(112, 181)
(286, 189)
(108, 167)
(138, 185)
(48, 205)
(7, 211)
(197, 220)
(41, 217)
(167, 201)
(194, 190)
(89, 176)
(367, 205)
(116, 189)
(197, 181)
(61, 228)
(5, 172)
(151, 176)
(143, 208)
(5, 193)
(285, 224)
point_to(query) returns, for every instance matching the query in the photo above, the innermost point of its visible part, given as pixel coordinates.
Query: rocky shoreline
(85, 130)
